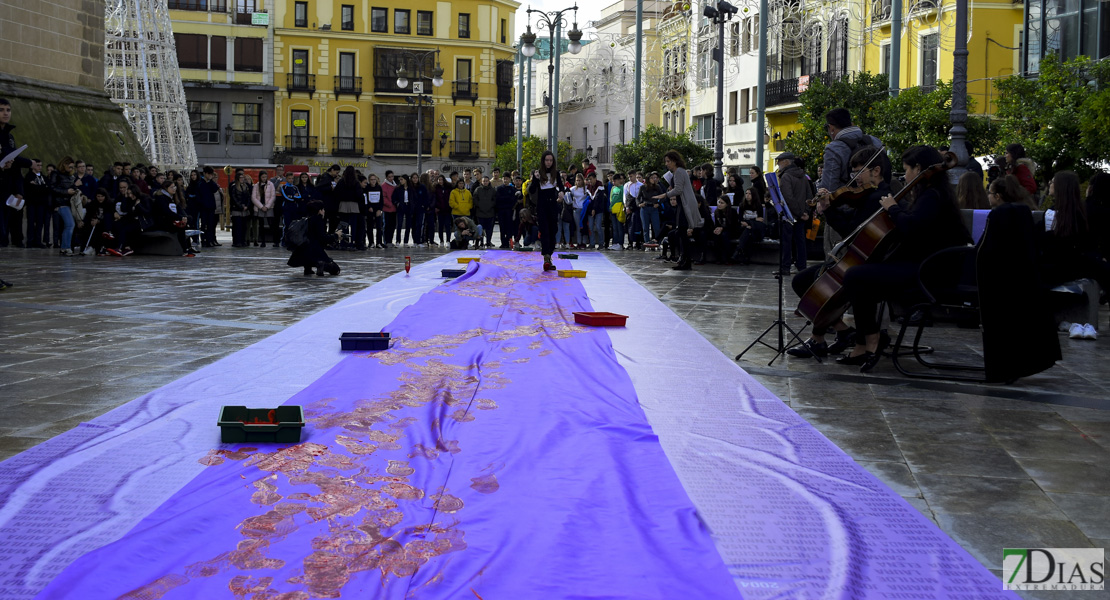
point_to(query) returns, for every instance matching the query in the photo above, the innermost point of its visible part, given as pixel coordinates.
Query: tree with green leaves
(1062, 117)
(859, 93)
(646, 153)
(531, 151)
(918, 116)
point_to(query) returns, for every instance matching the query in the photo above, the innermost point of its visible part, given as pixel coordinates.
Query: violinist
(926, 220)
(845, 139)
(858, 204)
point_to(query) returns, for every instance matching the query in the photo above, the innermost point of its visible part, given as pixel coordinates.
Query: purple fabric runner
(496, 451)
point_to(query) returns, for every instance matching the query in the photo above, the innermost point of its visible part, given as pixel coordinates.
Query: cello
(825, 301)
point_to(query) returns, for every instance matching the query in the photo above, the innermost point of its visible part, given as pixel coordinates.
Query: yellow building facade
(224, 52)
(336, 65)
(928, 38)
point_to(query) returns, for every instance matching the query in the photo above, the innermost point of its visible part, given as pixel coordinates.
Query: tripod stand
(782, 325)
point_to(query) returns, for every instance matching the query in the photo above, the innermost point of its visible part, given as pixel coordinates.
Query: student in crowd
(36, 195)
(970, 192)
(1018, 165)
(375, 214)
(63, 187)
(348, 195)
(485, 209)
(388, 208)
(726, 231)
(239, 196)
(597, 208)
(402, 202)
(442, 198)
(529, 229)
(98, 220)
(263, 197)
(616, 211)
(752, 227)
(462, 202)
(422, 209)
(504, 201)
(579, 199)
(649, 206)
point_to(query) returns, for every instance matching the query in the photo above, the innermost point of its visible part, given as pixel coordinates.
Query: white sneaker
(1089, 332)
(1076, 331)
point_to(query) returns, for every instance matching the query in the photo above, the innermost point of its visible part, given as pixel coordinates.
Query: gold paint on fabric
(360, 507)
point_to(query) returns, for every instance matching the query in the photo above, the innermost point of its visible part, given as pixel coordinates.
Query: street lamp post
(418, 89)
(553, 21)
(720, 15)
(958, 133)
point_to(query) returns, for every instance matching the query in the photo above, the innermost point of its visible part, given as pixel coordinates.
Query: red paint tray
(600, 319)
(239, 424)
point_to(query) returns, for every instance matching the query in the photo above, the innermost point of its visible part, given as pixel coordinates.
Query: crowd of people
(689, 215)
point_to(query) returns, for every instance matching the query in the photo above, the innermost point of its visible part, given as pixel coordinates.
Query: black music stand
(781, 324)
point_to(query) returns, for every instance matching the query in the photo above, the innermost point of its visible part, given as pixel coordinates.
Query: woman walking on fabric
(682, 189)
(547, 196)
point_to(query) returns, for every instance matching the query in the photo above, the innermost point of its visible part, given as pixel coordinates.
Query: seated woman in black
(752, 226)
(926, 221)
(312, 253)
(726, 230)
(844, 220)
(1068, 248)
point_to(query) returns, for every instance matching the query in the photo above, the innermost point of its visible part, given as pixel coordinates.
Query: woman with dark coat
(312, 253)
(925, 222)
(348, 198)
(1019, 335)
(420, 200)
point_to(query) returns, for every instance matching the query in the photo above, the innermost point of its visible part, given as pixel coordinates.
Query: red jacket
(1025, 178)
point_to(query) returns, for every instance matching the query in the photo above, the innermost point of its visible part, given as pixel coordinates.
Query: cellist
(867, 172)
(926, 220)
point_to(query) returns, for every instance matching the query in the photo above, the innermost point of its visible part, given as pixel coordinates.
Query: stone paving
(994, 466)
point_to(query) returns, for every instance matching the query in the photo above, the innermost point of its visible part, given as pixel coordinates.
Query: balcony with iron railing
(464, 149)
(301, 144)
(465, 89)
(346, 146)
(348, 84)
(198, 5)
(880, 11)
(393, 145)
(504, 94)
(246, 18)
(786, 91)
(300, 82)
(673, 85)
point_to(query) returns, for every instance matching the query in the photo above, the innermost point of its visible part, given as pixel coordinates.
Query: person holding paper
(11, 182)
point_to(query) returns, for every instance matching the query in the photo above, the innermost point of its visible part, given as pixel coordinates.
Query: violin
(825, 301)
(849, 192)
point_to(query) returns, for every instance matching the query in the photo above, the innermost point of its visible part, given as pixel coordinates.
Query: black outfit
(547, 212)
(505, 199)
(11, 182)
(420, 212)
(844, 220)
(1019, 333)
(165, 217)
(312, 253)
(374, 221)
(721, 243)
(36, 196)
(240, 199)
(924, 225)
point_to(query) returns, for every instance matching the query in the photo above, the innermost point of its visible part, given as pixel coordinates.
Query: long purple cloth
(497, 450)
